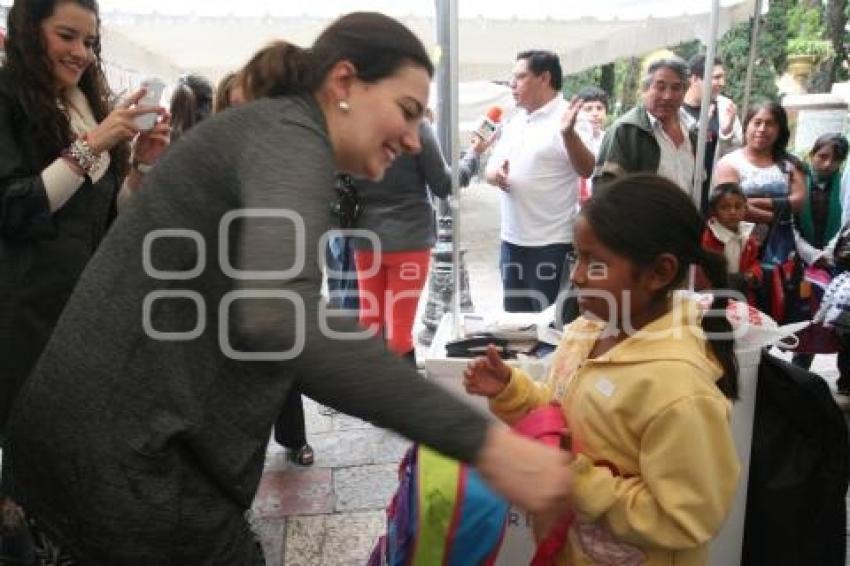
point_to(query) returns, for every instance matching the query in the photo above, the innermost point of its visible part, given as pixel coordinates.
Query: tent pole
(754, 38)
(454, 200)
(446, 21)
(711, 49)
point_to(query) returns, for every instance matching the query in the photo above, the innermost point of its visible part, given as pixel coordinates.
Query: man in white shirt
(537, 163)
(653, 136)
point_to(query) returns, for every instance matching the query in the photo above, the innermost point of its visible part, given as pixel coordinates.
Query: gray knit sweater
(132, 447)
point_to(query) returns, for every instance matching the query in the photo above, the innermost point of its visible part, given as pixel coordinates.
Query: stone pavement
(331, 514)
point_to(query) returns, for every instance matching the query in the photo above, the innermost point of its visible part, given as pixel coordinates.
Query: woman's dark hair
(191, 102)
(270, 69)
(375, 44)
(838, 143)
(642, 216)
(26, 60)
(221, 99)
(722, 190)
(780, 146)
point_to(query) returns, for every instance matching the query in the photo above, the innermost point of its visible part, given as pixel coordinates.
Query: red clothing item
(749, 262)
(389, 285)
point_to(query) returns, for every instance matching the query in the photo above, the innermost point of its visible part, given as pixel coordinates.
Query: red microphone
(490, 123)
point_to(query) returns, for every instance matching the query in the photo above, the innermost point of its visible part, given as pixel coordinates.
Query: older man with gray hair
(652, 136)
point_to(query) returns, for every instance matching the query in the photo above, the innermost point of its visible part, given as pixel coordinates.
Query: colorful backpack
(444, 514)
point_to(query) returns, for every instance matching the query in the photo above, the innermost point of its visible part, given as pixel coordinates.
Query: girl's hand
(150, 145)
(119, 126)
(487, 375)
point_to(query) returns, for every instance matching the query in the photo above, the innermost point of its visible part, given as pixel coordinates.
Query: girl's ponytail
(716, 325)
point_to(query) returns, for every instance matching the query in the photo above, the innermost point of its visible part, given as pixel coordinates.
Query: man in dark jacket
(652, 136)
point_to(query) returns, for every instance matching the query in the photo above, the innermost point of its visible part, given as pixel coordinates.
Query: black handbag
(346, 208)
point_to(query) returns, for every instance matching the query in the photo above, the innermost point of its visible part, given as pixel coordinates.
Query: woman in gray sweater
(140, 436)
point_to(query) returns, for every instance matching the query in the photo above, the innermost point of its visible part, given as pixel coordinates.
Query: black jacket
(41, 254)
(796, 510)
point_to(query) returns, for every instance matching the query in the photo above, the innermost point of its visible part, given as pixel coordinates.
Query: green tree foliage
(815, 20)
(573, 83)
(734, 50)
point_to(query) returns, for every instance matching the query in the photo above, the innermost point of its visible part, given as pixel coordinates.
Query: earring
(344, 105)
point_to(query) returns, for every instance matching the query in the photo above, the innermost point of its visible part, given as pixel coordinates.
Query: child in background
(820, 218)
(727, 233)
(835, 308)
(644, 379)
(595, 112)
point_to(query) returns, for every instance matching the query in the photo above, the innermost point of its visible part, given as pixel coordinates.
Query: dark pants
(290, 430)
(532, 275)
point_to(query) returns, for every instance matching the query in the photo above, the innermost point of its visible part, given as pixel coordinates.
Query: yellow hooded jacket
(655, 468)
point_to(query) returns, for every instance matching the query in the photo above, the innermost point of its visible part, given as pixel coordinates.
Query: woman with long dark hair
(64, 158)
(773, 180)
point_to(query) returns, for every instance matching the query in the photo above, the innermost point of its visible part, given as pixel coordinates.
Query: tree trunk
(826, 72)
(606, 80)
(836, 22)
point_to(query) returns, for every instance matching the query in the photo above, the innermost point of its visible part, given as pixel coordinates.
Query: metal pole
(448, 289)
(445, 133)
(711, 50)
(699, 164)
(454, 200)
(754, 38)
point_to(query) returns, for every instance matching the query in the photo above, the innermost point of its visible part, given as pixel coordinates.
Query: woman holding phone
(64, 157)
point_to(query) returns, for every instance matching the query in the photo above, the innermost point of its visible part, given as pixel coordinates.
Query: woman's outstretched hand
(526, 472)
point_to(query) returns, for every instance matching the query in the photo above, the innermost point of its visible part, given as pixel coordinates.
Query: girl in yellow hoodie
(644, 380)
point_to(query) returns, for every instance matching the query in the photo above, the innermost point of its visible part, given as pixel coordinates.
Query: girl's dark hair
(191, 102)
(723, 189)
(838, 143)
(642, 216)
(221, 99)
(375, 44)
(780, 146)
(26, 60)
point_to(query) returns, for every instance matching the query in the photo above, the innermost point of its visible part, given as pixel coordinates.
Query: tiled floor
(331, 513)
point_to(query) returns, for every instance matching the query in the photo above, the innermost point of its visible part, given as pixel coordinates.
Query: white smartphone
(153, 93)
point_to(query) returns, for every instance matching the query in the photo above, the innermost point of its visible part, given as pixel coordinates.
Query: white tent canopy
(166, 37)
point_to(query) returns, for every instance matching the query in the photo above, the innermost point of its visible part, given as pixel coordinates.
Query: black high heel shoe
(303, 456)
